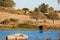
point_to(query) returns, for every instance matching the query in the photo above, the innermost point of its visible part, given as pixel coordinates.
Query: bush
(2, 8)
(6, 21)
(13, 20)
(25, 25)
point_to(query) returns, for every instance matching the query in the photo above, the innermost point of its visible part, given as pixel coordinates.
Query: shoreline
(26, 29)
(18, 29)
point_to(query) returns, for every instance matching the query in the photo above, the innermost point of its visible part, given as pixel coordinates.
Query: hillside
(5, 15)
(23, 18)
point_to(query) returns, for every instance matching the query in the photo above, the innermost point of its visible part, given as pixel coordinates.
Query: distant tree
(43, 8)
(35, 14)
(36, 10)
(50, 10)
(25, 9)
(53, 16)
(7, 3)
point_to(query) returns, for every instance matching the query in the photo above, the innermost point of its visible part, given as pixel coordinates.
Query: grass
(20, 27)
(26, 26)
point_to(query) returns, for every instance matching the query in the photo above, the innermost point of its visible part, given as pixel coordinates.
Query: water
(32, 34)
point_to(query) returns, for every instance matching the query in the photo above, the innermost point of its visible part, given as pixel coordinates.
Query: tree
(35, 14)
(25, 9)
(50, 10)
(53, 16)
(7, 3)
(43, 8)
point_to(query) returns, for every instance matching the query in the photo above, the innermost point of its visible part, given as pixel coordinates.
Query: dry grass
(23, 18)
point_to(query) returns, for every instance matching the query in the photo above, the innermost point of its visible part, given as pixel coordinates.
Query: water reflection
(37, 38)
(41, 31)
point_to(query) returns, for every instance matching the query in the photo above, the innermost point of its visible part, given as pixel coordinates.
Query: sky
(31, 4)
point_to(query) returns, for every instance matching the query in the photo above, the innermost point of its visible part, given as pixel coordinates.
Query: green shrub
(26, 26)
(13, 20)
(6, 21)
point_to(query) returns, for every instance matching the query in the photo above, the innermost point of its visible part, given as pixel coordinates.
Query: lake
(32, 34)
